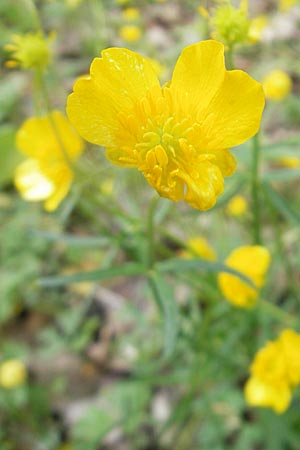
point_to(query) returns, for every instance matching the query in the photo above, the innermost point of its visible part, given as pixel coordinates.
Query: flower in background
(257, 27)
(177, 135)
(237, 206)
(252, 261)
(13, 373)
(130, 13)
(277, 85)
(130, 33)
(293, 162)
(275, 371)
(52, 145)
(199, 247)
(286, 5)
(30, 51)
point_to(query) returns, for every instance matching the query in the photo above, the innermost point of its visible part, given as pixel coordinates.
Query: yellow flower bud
(237, 206)
(13, 373)
(30, 51)
(130, 33)
(277, 85)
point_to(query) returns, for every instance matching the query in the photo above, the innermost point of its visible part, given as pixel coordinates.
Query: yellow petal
(43, 137)
(31, 182)
(276, 396)
(234, 114)
(199, 73)
(117, 82)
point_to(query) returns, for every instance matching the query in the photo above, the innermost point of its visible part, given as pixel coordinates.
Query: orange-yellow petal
(276, 396)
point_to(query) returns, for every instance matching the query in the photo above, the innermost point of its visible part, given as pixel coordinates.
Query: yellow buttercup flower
(51, 144)
(177, 135)
(275, 371)
(130, 33)
(199, 247)
(30, 51)
(237, 206)
(13, 373)
(277, 85)
(252, 261)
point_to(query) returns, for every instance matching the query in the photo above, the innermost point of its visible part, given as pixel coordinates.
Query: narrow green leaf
(69, 239)
(164, 297)
(128, 269)
(281, 205)
(281, 174)
(177, 265)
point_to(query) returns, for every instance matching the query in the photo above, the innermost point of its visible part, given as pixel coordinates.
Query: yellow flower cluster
(30, 51)
(252, 261)
(177, 135)
(275, 371)
(13, 373)
(51, 144)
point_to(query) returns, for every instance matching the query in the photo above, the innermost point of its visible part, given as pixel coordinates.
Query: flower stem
(278, 313)
(255, 190)
(150, 231)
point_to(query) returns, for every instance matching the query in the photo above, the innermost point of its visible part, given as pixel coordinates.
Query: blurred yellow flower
(30, 51)
(274, 372)
(252, 261)
(230, 25)
(237, 206)
(13, 373)
(199, 247)
(51, 144)
(286, 5)
(130, 33)
(177, 135)
(131, 13)
(257, 27)
(277, 85)
(292, 162)
(123, 2)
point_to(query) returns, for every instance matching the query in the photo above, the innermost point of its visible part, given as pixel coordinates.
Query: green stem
(277, 312)
(150, 231)
(255, 190)
(229, 59)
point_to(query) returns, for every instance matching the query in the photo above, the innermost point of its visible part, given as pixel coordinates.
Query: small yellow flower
(177, 135)
(13, 373)
(130, 33)
(199, 247)
(123, 2)
(286, 5)
(237, 206)
(275, 371)
(292, 162)
(252, 261)
(30, 51)
(230, 25)
(48, 142)
(277, 85)
(257, 27)
(131, 14)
